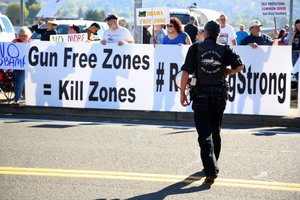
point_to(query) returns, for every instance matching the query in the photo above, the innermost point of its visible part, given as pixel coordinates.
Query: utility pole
(21, 13)
(138, 36)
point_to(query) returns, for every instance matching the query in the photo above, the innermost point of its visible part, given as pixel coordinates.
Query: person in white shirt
(227, 34)
(116, 34)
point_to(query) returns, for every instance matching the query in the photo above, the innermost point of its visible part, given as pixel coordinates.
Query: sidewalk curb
(138, 116)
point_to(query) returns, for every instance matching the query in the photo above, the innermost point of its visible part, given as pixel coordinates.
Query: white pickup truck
(201, 15)
(7, 32)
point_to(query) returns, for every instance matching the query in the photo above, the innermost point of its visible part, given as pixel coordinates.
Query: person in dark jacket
(191, 29)
(208, 60)
(45, 32)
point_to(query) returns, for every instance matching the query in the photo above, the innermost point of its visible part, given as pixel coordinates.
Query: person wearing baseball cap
(116, 33)
(111, 17)
(208, 61)
(257, 37)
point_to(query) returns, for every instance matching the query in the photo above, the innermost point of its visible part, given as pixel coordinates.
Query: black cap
(213, 28)
(111, 16)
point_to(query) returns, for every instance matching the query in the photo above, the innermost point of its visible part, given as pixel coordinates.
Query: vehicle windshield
(184, 18)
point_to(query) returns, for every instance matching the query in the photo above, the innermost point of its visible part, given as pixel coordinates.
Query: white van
(7, 32)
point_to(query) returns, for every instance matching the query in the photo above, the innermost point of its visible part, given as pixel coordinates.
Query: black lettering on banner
(67, 56)
(124, 61)
(117, 61)
(94, 85)
(132, 95)
(173, 73)
(257, 83)
(70, 90)
(105, 63)
(111, 94)
(263, 84)
(282, 87)
(122, 94)
(45, 59)
(93, 60)
(136, 62)
(83, 59)
(273, 81)
(103, 94)
(146, 62)
(62, 91)
(249, 77)
(127, 61)
(241, 87)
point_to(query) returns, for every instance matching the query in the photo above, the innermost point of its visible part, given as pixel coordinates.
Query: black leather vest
(211, 67)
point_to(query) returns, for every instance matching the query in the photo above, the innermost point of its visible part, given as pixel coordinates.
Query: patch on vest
(210, 62)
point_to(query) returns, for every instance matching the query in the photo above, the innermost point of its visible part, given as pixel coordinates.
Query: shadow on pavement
(176, 188)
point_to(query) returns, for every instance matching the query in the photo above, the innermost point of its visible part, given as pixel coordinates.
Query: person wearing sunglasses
(176, 34)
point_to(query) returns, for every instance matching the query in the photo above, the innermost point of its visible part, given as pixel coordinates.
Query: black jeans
(209, 106)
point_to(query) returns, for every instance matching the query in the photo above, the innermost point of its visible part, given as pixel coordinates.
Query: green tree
(96, 15)
(80, 13)
(13, 11)
(28, 3)
(33, 11)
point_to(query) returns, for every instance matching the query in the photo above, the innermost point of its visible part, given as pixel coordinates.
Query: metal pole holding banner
(291, 23)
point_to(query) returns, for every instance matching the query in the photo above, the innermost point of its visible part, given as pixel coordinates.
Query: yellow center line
(146, 177)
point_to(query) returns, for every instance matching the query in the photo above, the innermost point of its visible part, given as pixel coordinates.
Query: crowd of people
(174, 33)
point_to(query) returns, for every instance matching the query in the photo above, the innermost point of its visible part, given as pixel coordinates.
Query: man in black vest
(208, 61)
(191, 29)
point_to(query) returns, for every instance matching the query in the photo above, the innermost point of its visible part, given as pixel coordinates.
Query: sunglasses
(170, 25)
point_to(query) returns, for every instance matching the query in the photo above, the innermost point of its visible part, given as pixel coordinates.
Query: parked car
(63, 26)
(202, 16)
(7, 32)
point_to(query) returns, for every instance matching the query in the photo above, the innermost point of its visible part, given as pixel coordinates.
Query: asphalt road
(92, 160)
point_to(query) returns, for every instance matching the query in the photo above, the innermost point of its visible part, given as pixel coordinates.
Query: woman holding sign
(176, 34)
(23, 36)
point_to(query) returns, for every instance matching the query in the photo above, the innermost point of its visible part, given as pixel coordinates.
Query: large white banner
(141, 77)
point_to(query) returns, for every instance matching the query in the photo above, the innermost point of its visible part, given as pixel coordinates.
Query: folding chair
(7, 83)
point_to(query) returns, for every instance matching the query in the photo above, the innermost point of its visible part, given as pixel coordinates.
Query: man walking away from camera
(191, 29)
(208, 60)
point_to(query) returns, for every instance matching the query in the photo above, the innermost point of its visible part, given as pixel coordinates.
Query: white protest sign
(149, 16)
(274, 8)
(50, 8)
(141, 77)
(12, 55)
(79, 37)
